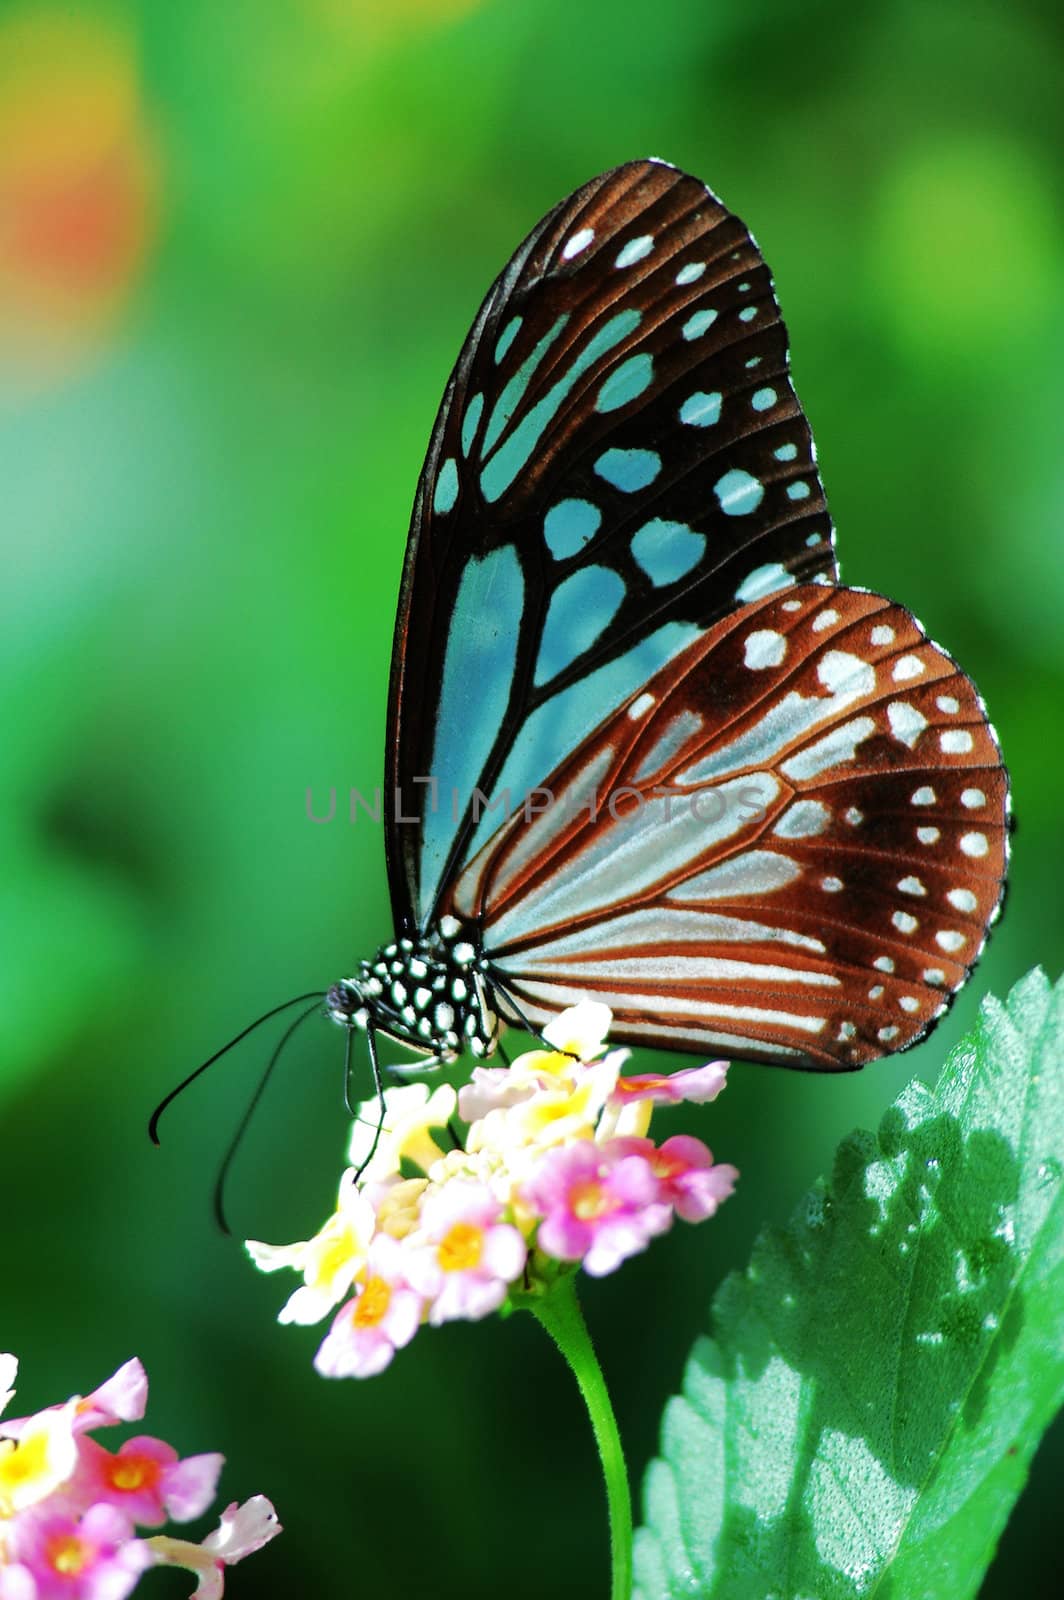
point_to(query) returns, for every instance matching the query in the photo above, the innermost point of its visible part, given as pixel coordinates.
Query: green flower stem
(559, 1312)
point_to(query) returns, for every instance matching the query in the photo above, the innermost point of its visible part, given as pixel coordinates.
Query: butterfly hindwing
(618, 462)
(788, 845)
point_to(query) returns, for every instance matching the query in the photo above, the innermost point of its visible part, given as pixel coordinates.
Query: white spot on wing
(906, 723)
(842, 673)
(904, 922)
(833, 750)
(907, 667)
(756, 872)
(667, 747)
(974, 844)
(764, 648)
(955, 741)
(578, 242)
(962, 899)
(805, 819)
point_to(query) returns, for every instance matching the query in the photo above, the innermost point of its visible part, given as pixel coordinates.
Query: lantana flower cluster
(555, 1170)
(70, 1507)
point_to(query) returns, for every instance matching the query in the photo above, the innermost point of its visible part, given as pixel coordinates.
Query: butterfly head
(346, 1003)
(428, 993)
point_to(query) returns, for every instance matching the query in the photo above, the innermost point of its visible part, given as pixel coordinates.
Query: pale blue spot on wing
(635, 250)
(512, 456)
(764, 399)
(798, 491)
(701, 410)
(696, 326)
(764, 580)
(748, 314)
(628, 469)
(514, 391)
(626, 383)
(559, 725)
(754, 361)
(446, 492)
(569, 526)
(691, 273)
(815, 538)
(744, 288)
(581, 608)
(786, 452)
(738, 493)
(506, 338)
(471, 422)
(667, 551)
(478, 670)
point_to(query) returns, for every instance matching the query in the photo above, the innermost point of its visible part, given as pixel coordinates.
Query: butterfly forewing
(619, 461)
(788, 845)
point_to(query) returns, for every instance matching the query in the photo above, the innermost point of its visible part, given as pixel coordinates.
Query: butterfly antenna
(371, 1041)
(153, 1125)
(235, 1142)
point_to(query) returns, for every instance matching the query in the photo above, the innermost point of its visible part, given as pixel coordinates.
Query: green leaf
(865, 1413)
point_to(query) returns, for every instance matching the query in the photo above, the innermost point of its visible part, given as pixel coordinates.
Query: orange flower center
(371, 1307)
(132, 1472)
(644, 1083)
(461, 1247)
(588, 1200)
(69, 1555)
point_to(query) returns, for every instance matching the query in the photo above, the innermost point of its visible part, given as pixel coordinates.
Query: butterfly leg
(529, 1026)
(488, 1039)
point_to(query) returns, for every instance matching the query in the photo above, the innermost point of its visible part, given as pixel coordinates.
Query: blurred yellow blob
(964, 248)
(381, 20)
(78, 178)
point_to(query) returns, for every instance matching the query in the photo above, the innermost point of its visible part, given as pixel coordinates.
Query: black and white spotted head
(429, 993)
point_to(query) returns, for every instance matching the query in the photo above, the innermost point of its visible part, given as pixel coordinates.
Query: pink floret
(599, 1204)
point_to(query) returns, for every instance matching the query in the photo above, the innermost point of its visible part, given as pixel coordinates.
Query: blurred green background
(240, 245)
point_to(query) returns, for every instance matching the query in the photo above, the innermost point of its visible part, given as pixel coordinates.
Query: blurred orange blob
(78, 178)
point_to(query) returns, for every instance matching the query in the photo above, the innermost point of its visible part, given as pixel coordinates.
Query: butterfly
(642, 746)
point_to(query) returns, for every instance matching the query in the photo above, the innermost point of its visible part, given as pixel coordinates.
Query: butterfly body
(429, 993)
(643, 745)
